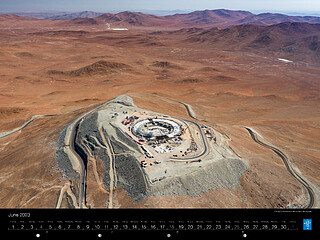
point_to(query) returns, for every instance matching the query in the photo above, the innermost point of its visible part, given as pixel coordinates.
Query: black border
(231, 221)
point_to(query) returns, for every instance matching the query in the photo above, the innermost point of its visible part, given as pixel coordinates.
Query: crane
(186, 128)
(182, 131)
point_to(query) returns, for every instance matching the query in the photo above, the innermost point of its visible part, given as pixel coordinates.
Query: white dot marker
(37, 235)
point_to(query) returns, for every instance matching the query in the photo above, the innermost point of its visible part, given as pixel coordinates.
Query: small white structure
(119, 29)
(285, 60)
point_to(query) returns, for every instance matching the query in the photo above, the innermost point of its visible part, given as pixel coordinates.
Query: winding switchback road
(203, 136)
(309, 187)
(188, 108)
(288, 165)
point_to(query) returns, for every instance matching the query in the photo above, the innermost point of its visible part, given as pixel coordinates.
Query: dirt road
(288, 165)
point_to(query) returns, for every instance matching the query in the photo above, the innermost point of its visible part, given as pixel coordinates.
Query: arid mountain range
(295, 38)
(234, 68)
(295, 41)
(84, 14)
(206, 18)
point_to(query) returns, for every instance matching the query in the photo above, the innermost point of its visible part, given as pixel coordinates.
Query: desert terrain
(234, 69)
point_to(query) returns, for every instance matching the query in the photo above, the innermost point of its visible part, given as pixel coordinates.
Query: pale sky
(136, 5)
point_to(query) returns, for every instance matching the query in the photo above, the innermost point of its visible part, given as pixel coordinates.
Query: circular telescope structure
(156, 128)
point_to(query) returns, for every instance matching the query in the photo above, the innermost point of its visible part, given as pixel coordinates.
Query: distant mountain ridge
(293, 40)
(275, 18)
(84, 14)
(10, 17)
(222, 18)
(132, 18)
(206, 18)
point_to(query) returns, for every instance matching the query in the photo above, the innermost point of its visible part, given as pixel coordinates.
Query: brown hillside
(295, 41)
(97, 68)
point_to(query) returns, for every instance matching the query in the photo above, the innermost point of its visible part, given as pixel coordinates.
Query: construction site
(163, 139)
(153, 154)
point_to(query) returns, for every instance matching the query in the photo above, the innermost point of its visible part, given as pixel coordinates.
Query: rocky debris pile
(129, 173)
(224, 173)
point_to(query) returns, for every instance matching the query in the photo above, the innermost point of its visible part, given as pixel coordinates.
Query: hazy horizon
(284, 6)
(157, 12)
